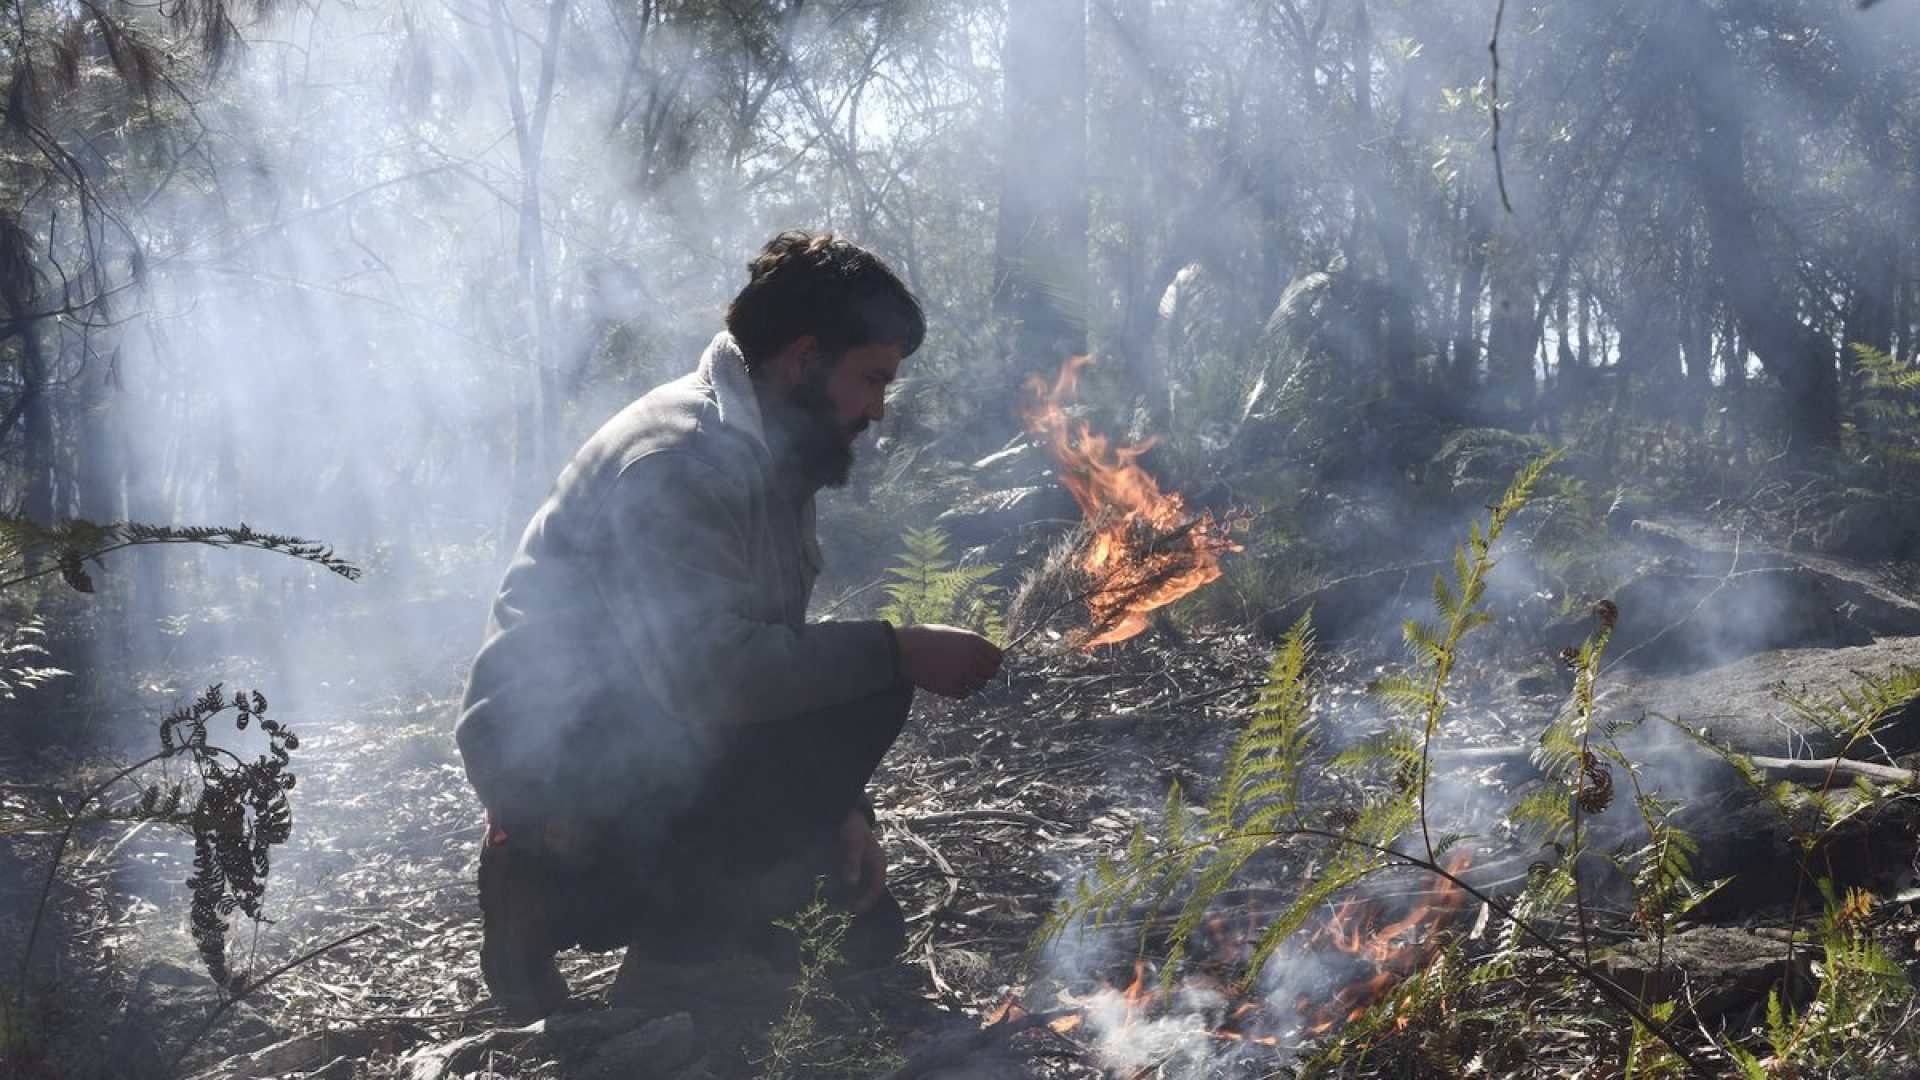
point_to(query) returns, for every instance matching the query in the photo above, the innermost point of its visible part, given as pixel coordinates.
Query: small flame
(1393, 951)
(1384, 948)
(1147, 551)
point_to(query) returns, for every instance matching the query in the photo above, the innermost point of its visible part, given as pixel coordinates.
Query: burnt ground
(991, 809)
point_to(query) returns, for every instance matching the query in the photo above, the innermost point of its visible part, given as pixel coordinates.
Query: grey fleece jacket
(658, 595)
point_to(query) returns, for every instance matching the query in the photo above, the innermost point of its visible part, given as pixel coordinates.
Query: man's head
(823, 325)
(815, 285)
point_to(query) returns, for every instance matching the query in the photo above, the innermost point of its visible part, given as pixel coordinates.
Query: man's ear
(796, 361)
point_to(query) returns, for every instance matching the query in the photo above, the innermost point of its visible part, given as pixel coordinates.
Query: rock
(593, 1026)
(1702, 598)
(734, 990)
(1739, 706)
(313, 1051)
(465, 1055)
(1743, 837)
(1718, 970)
(1682, 620)
(656, 1050)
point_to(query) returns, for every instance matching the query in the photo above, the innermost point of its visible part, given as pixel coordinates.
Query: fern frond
(929, 587)
(74, 544)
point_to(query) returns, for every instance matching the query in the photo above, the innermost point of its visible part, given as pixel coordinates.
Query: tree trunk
(1512, 329)
(1464, 367)
(1132, 163)
(1379, 205)
(1747, 265)
(36, 426)
(538, 418)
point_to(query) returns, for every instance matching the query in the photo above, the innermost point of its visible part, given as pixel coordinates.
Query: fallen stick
(1814, 771)
(1819, 770)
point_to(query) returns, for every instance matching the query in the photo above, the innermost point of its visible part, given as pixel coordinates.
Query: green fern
(1861, 989)
(29, 551)
(1854, 717)
(1889, 402)
(1282, 794)
(22, 650)
(1421, 695)
(929, 587)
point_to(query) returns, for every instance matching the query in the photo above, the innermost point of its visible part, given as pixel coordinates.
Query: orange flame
(1394, 951)
(1387, 950)
(1147, 551)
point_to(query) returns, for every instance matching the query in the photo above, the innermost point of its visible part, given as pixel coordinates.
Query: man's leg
(768, 827)
(517, 924)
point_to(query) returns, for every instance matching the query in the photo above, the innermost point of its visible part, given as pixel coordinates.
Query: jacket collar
(723, 367)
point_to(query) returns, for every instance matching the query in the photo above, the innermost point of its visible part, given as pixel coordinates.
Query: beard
(807, 437)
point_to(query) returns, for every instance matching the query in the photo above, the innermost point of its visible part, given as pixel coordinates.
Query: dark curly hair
(817, 284)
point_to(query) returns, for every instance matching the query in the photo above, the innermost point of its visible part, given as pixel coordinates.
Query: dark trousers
(759, 835)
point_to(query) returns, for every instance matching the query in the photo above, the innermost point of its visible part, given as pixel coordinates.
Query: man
(671, 756)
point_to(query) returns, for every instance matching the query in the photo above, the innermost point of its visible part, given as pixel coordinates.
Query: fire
(1380, 950)
(1393, 951)
(1146, 551)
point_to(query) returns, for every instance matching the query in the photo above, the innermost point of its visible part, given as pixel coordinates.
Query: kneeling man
(670, 754)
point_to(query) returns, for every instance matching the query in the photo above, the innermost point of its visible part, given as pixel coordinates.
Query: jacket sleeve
(669, 550)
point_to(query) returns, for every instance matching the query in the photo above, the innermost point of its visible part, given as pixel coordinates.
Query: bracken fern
(930, 587)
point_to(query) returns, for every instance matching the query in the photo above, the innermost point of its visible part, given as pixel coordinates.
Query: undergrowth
(1338, 819)
(231, 804)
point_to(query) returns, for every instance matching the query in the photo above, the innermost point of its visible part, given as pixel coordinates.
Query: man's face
(830, 404)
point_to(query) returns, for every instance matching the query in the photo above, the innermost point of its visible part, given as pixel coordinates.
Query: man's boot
(516, 950)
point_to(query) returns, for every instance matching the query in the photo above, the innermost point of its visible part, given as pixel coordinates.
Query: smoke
(414, 253)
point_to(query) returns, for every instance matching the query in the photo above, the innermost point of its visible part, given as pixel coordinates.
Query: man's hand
(864, 864)
(946, 660)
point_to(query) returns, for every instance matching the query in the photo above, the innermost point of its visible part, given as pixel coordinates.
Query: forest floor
(992, 809)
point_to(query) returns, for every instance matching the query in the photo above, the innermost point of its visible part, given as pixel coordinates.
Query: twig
(1822, 771)
(1493, 105)
(1003, 817)
(74, 821)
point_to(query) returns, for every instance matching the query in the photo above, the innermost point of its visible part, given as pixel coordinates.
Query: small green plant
(1889, 403)
(819, 931)
(930, 587)
(797, 1046)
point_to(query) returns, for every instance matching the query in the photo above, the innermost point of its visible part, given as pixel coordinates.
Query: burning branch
(1144, 550)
